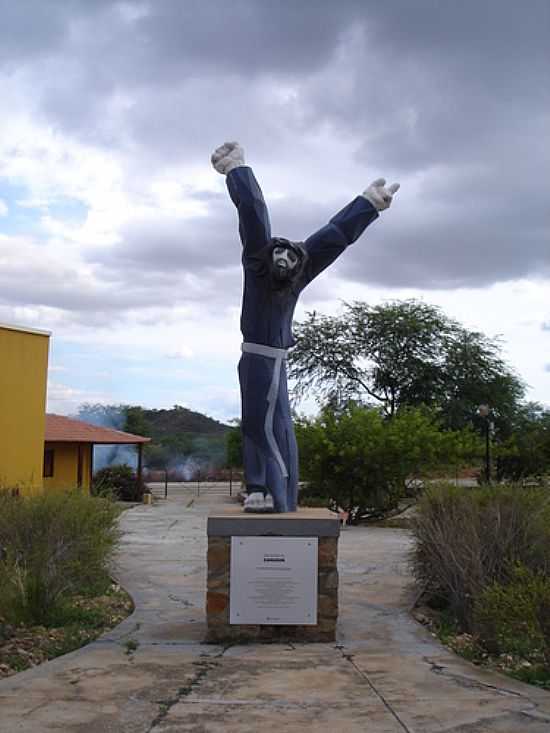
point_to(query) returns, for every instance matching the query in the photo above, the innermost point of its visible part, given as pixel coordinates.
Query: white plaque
(273, 580)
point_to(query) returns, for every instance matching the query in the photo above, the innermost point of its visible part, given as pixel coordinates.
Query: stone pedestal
(233, 522)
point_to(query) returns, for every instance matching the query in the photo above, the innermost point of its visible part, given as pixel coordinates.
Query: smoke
(187, 458)
(104, 416)
(114, 417)
(187, 470)
(114, 455)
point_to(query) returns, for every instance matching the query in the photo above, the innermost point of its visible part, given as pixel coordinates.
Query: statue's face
(285, 261)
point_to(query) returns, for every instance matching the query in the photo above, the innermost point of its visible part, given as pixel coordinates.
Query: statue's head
(287, 259)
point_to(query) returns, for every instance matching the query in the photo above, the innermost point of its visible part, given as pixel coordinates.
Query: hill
(165, 423)
(153, 423)
(181, 440)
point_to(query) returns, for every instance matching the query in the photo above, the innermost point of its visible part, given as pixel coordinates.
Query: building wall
(23, 376)
(65, 466)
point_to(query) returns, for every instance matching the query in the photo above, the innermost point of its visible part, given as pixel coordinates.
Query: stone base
(319, 523)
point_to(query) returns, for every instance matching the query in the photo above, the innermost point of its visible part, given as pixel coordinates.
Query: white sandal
(255, 502)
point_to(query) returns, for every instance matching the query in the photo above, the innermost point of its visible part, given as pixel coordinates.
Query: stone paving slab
(385, 674)
(238, 718)
(430, 695)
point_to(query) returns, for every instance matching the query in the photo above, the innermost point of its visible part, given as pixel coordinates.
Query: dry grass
(467, 539)
(25, 646)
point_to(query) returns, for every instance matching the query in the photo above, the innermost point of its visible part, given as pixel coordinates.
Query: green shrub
(468, 539)
(367, 463)
(515, 618)
(525, 453)
(119, 482)
(52, 546)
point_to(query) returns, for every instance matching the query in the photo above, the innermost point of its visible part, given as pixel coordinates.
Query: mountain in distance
(180, 437)
(163, 423)
(152, 423)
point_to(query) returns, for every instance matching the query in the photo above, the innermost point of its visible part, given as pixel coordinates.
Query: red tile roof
(62, 429)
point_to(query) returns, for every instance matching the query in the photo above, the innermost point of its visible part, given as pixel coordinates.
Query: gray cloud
(172, 245)
(143, 299)
(32, 29)
(121, 284)
(473, 234)
(452, 96)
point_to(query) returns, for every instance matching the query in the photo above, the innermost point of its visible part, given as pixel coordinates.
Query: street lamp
(484, 411)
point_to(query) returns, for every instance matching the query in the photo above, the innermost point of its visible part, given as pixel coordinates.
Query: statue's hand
(227, 157)
(380, 196)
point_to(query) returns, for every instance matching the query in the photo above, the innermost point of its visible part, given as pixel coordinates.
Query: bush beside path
(56, 591)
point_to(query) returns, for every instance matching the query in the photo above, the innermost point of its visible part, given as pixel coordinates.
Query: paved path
(151, 674)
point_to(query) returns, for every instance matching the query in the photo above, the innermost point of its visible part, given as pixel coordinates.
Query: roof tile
(63, 429)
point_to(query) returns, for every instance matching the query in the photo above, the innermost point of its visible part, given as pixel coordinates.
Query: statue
(276, 270)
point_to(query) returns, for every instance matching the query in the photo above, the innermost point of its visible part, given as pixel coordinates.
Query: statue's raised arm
(246, 194)
(346, 226)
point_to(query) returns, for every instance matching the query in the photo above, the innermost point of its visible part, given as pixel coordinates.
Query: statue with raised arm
(276, 270)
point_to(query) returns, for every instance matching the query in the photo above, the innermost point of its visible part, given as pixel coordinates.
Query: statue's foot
(255, 502)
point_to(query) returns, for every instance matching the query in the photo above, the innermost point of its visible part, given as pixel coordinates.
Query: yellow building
(23, 375)
(37, 451)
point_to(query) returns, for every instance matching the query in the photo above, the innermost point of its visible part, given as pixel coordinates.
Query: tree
(402, 354)
(106, 416)
(136, 422)
(476, 374)
(366, 463)
(234, 446)
(525, 453)
(129, 418)
(157, 456)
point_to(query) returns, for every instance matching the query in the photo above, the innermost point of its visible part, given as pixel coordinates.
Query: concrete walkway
(385, 674)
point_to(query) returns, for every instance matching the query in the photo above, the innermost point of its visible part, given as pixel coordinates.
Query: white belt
(279, 355)
(263, 350)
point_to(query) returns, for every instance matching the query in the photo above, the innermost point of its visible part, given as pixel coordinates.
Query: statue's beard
(282, 273)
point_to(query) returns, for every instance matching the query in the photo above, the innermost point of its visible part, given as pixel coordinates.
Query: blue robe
(269, 445)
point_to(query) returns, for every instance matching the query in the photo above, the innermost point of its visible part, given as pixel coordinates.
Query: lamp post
(484, 411)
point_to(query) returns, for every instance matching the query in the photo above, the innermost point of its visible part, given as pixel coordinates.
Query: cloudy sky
(117, 235)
